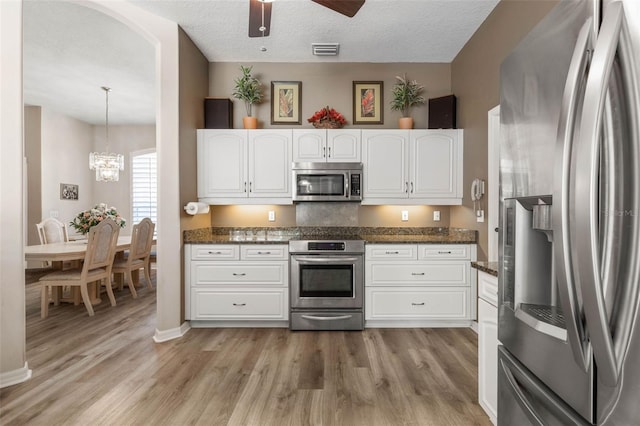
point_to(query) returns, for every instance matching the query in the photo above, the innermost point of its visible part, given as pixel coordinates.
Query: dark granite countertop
(371, 235)
(490, 268)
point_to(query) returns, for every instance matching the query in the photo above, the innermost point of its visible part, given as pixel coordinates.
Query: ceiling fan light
(325, 49)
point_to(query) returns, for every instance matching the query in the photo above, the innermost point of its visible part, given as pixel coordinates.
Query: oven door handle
(327, 318)
(333, 260)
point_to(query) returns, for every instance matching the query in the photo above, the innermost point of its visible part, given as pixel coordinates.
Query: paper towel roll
(195, 207)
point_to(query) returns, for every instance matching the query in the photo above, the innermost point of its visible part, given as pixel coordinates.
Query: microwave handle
(347, 180)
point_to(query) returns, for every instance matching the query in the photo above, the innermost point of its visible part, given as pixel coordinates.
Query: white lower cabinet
(488, 344)
(409, 285)
(237, 282)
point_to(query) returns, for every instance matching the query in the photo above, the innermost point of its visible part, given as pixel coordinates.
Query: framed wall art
(68, 191)
(368, 103)
(286, 102)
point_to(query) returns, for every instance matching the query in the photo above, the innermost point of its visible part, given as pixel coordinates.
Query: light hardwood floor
(106, 370)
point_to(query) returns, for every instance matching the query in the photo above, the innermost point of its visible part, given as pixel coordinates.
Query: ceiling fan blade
(255, 18)
(346, 7)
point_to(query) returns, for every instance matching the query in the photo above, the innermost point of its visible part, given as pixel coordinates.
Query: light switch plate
(436, 215)
(405, 215)
(272, 216)
(480, 216)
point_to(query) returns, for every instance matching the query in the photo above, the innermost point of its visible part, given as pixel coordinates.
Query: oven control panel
(325, 245)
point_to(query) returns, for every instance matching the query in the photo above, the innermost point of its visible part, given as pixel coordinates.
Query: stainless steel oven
(327, 285)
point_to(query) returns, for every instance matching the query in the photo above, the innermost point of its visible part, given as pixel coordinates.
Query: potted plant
(406, 94)
(249, 90)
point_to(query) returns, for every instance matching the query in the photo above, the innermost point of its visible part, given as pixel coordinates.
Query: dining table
(57, 253)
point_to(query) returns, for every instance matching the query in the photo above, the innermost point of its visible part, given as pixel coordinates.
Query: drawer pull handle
(214, 252)
(417, 273)
(391, 252)
(444, 252)
(417, 304)
(264, 252)
(242, 274)
(239, 304)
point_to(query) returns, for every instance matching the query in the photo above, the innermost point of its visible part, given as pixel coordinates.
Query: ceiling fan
(260, 13)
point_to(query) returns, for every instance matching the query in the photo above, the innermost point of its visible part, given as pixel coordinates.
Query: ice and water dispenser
(529, 280)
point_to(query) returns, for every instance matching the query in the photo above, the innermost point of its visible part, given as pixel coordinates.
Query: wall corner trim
(14, 377)
(173, 333)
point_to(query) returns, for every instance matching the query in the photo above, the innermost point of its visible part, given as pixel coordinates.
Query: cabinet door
(436, 159)
(222, 167)
(270, 163)
(239, 304)
(417, 303)
(488, 358)
(344, 145)
(384, 158)
(309, 145)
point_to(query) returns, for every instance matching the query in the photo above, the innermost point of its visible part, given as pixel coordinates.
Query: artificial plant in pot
(249, 90)
(406, 94)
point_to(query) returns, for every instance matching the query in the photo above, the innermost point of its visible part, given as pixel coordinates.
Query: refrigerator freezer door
(525, 400)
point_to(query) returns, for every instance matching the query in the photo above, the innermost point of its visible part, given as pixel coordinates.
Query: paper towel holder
(194, 207)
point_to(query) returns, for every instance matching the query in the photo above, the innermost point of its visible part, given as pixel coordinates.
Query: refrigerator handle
(571, 103)
(588, 245)
(521, 398)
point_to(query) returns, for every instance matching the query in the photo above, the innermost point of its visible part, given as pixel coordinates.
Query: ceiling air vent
(325, 49)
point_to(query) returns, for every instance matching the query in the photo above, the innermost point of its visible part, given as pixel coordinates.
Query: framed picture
(286, 102)
(68, 191)
(368, 103)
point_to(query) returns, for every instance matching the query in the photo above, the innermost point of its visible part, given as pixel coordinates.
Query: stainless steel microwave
(327, 181)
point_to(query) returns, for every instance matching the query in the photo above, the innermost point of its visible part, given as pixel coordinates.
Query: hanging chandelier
(106, 164)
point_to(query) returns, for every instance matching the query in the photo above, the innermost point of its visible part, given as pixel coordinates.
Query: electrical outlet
(436, 215)
(54, 213)
(272, 216)
(405, 215)
(480, 216)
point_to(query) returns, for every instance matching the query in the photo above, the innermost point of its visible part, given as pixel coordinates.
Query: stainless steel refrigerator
(569, 281)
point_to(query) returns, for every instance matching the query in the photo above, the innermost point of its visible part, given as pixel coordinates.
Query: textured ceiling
(70, 50)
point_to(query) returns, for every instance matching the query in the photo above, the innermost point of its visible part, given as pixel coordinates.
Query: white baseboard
(174, 333)
(14, 377)
(239, 324)
(474, 326)
(416, 324)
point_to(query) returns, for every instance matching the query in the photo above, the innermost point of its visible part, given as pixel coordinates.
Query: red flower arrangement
(327, 118)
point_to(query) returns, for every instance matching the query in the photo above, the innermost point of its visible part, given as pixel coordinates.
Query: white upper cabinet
(385, 168)
(222, 163)
(412, 166)
(326, 145)
(344, 145)
(270, 163)
(244, 167)
(436, 164)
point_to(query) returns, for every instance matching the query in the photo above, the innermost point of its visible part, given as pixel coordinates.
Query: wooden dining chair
(139, 254)
(51, 230)
(98, 260)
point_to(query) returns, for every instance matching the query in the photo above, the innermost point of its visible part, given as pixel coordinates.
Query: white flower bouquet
(83, 222)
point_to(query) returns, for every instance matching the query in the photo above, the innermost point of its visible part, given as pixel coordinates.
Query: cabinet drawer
(264, 252)
(394, 251)
(215, 252)
(440, 251)
(214, 273)
(249, 303)
(488, 288)
(411, 303)
(417, 273)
